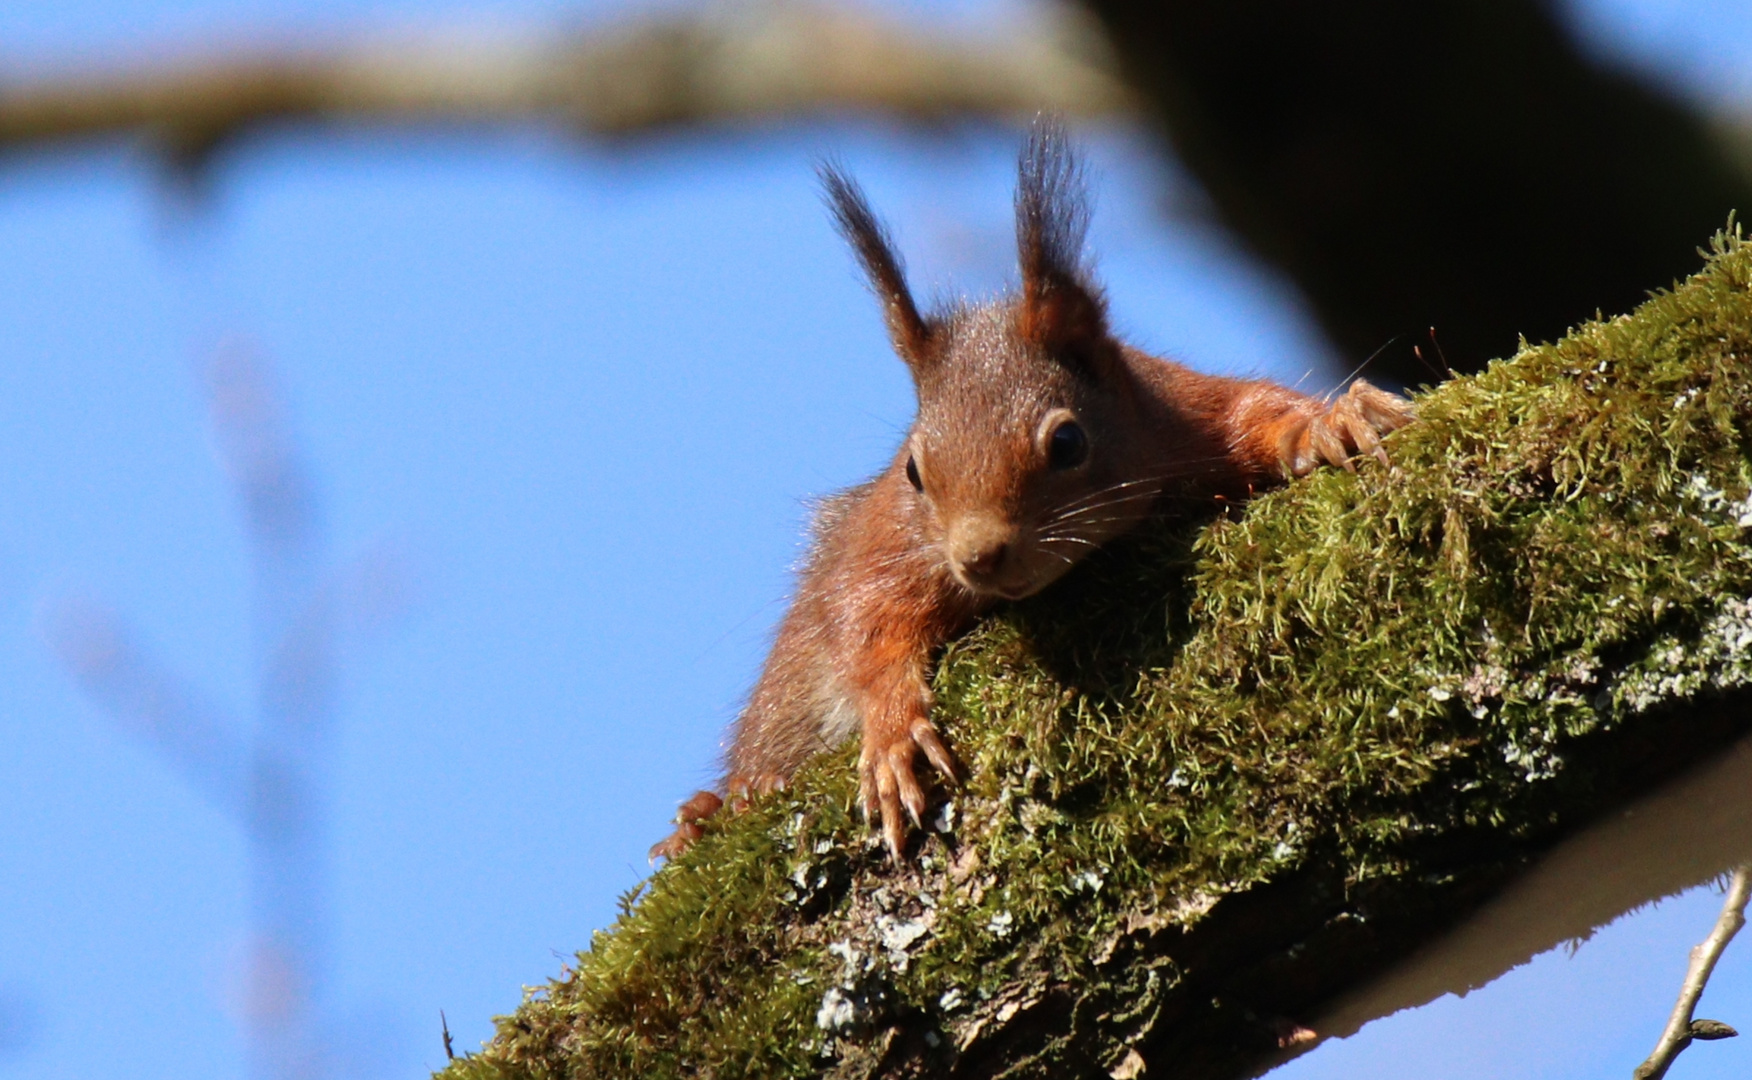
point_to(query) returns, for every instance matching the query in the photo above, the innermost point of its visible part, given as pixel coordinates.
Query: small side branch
(147, 701)
(1681, 1028)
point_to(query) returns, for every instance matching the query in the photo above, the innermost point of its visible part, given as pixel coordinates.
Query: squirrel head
(1025, 453)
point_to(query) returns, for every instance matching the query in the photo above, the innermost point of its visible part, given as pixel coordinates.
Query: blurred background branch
(101, 654)
(1454, 165)
(270, 777)
(722, 64)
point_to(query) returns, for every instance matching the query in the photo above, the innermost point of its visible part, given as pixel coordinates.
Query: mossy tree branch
(1226, 780)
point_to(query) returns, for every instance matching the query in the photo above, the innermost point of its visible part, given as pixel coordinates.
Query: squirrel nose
(978, 546)
(984, 559)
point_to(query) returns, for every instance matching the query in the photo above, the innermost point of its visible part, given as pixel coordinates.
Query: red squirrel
(1038, 438)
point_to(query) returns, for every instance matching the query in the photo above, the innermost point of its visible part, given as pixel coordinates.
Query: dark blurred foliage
(1455, 164)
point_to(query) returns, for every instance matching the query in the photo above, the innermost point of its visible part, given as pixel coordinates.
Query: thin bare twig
(100, 651)
(1681, 1028)
(268, 774)
(726, 64)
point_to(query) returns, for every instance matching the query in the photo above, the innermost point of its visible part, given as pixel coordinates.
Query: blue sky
(582, 395)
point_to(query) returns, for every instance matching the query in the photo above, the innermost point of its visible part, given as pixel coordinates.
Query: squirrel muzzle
(989, 556)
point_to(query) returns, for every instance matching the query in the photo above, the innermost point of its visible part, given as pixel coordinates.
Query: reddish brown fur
(999, 514)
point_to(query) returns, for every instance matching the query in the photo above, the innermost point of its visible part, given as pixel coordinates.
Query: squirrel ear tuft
(910, 333)
(1060, 305)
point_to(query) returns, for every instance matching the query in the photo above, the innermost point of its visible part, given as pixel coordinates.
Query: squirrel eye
(912, 474)
(1068, 446)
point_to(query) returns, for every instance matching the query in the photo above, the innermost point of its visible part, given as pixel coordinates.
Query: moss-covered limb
(1222, 777)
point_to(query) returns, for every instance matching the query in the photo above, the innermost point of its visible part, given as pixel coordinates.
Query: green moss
(1357, 708)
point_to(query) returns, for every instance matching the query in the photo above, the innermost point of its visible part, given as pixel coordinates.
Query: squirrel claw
(880, 796)
(889, 790)
(894, 836)
(689, 827)
(926, 737)
(676, 842)
(1351, 427)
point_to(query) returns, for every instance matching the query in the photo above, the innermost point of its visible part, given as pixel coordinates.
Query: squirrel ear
(910, 333)
(1060, 305)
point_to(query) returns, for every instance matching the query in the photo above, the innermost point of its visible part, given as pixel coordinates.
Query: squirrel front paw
(1348, 428)
(886, 782)
(689, 825)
